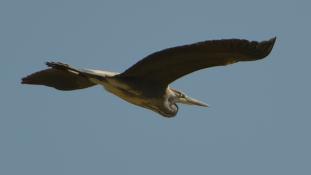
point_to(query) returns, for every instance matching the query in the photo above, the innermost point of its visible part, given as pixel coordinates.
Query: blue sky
(259, 116)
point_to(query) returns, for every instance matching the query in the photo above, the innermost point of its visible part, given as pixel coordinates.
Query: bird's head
(180, 97)
(169, 108)
(175, 97)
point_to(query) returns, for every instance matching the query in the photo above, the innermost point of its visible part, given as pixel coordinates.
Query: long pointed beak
(192, 101)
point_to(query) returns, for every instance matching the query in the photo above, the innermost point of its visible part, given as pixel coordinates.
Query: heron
(146, 83)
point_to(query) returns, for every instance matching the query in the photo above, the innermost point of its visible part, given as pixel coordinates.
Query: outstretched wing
(165, 66)
(59, 76)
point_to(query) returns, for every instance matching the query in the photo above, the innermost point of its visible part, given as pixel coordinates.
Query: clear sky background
(259, 116)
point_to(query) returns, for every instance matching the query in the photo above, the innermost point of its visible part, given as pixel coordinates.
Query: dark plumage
(146, 82)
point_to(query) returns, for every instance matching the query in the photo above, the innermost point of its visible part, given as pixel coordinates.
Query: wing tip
(23, 81)
(272, 42)
(267, 46)
(27, 80)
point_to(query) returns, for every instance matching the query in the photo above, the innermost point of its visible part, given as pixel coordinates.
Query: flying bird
(146, 83)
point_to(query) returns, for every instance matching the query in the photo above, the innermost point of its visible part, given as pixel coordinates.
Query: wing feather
(166, 66)
(61, 79)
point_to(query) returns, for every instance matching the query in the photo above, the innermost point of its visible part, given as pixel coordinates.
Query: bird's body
(146, 83)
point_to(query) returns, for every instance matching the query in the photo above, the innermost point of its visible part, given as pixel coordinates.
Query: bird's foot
(58, 65)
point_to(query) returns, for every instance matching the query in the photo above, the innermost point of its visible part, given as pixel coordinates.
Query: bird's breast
(125, 92)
